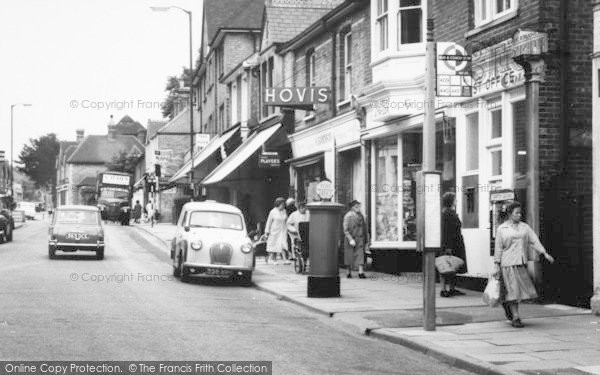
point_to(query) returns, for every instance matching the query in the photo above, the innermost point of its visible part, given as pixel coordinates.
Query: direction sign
(453, 71)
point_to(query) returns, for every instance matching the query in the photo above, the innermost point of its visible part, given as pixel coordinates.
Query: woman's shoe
(362, 276)
(517, 323)
(349, 276)
(456, 292)
(507, 312)
(444, 293)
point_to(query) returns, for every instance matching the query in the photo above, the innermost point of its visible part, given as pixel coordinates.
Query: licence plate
(77, 236)
(217, 272)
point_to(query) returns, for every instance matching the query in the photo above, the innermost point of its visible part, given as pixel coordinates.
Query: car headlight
(101, 236)
(246, 248)
(196, 245)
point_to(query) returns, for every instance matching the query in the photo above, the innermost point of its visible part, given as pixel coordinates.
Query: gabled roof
(127, 126)
(180, 123)
(283, 26)
(232, 14)
(99, 149)
(153, 127)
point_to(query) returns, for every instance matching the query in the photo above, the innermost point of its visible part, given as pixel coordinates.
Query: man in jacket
(356, 239)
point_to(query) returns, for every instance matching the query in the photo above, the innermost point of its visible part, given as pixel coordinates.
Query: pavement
(557, 339)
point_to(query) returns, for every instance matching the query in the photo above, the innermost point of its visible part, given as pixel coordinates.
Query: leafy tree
(172, 87)
(123, 162)
(38, 160)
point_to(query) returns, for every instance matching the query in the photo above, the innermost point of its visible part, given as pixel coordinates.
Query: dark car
(76, 228)
(7, 223)
(115, 210)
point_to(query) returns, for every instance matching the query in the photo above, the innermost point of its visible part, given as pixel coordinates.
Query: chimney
(141, 136)
(112, 129)
(79, 135)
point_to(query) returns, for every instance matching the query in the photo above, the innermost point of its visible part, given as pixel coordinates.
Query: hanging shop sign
(453, 71)
(296, 96)
(1, 156)
(269, 160)
(202, 141)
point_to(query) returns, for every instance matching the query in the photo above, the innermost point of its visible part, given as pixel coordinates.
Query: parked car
(7, 223)
(29, 208)
(76, 228)
(211, 241)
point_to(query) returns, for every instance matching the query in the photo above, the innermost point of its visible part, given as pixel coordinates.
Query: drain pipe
(564, 76)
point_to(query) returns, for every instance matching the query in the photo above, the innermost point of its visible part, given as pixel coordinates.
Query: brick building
(596, 155)
(526, 129)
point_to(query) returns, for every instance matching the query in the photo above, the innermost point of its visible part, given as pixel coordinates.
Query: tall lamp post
(12, 182)
(189, 13)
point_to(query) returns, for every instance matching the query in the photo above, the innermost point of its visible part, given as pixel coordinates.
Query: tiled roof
(87, 181)
(153, 127)
(232, 14)
(127, 126)
(281, 26)
(99, 149)
(180, 123)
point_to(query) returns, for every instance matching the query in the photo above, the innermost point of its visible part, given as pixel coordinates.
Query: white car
(211, 240)
(28, 208)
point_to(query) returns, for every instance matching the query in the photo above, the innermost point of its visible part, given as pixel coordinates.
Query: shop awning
(213, 146)
(240, 155)
(139, 183)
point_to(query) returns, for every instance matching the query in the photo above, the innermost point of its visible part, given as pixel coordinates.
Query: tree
(173, 88)
(38, 160)
(123, 162)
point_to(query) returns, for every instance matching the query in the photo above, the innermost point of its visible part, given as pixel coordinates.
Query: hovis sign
(294, 96)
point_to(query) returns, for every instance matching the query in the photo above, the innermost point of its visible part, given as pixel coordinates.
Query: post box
(324, 235)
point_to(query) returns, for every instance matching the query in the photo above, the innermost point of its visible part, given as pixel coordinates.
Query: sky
(79, 61)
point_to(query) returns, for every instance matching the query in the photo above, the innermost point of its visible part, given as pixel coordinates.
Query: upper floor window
(220, 61)
(410, 22)
(489, 10)
(310, 68)
(266, 80)
(382, 24)
(345, 64)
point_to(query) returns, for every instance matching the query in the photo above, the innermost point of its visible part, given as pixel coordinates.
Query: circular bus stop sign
(325, 190)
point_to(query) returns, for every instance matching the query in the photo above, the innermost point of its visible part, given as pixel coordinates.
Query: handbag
(447, 264)
(491, 294)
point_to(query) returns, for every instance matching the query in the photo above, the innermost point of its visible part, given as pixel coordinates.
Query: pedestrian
(137, 212)
(276, 231)
(293, 222)
(150, 210)
(452, 243)
(356, 239)
(290, 207)
(513, 238)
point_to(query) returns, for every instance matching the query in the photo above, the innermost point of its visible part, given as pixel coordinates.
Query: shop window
(496, 123)
(410, 22)
(496, 157)
(520, 134)
(486, 11)
(472, 142)
(308, 177)
(382, 24)
(386, 190)
(412, 156)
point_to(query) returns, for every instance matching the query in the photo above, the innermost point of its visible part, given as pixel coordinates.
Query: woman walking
(276, 231)
(513, 239)
(452, 243)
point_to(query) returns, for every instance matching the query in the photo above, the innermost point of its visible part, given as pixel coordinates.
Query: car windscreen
(214, 219)
(76, 217)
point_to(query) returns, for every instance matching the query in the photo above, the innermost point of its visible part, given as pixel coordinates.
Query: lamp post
(189, 13)
(12, 182)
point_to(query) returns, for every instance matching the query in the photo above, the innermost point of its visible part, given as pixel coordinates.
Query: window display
(411, 161)
(386, 190)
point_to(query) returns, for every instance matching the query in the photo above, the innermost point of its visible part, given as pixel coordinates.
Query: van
(28, 208)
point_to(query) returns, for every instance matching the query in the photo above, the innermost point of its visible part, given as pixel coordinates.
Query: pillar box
(324, 235)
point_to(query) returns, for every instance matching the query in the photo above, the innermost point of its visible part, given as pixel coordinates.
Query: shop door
(568, 237)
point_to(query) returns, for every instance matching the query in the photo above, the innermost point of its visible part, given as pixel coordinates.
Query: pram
(301, 248)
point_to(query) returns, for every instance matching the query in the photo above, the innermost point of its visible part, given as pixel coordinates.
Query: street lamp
(12, 182)
(189, 13)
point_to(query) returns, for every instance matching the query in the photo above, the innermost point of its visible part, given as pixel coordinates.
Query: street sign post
(453, 71)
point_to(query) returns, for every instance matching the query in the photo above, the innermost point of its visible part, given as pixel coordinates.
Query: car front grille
(220, 253)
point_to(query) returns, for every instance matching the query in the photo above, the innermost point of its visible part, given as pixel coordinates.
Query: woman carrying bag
(452, 245)
(513, 239)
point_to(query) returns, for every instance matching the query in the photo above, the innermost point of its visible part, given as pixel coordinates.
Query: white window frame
(310, 79)
(469, 172)
(346, 70)
(398, 24)
(383, 24)
(485, 10)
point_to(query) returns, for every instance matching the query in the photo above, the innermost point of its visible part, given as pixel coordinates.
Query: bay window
(382, 24)
(410, 22)
(486, 11)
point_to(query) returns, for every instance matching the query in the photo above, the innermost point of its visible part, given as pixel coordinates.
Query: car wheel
(177, 266)
(51, 252)
(9, 232)
(100, 253)
(246, 279)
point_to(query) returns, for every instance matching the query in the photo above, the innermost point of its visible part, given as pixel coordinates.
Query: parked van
(28, 208)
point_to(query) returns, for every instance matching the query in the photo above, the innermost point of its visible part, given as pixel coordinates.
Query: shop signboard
(297, 96)
(1, 156)
(453, 71)
(202, 141)
(163, 156)
(269, 160)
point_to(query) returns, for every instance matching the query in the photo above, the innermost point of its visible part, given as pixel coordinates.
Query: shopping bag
(446, 264)
(457, 264)
(491, 294)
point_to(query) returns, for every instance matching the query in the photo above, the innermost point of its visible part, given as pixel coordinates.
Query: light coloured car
(211, 241)
(76, 228)
(28, 208)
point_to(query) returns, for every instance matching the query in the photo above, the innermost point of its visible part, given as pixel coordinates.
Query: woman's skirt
(517, 284)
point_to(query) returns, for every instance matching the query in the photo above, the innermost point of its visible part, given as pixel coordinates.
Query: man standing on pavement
(137, 212)
(150, 210)
(356, 239)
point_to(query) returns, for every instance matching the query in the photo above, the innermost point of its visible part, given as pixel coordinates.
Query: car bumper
(69, 246)
(214, 270)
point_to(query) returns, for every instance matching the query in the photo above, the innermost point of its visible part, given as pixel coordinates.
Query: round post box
(324, 235)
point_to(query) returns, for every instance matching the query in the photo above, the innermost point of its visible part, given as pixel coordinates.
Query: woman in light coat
(276, 231)
(513, 239)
